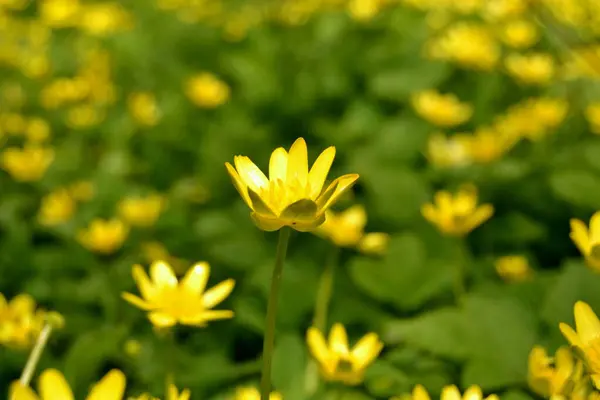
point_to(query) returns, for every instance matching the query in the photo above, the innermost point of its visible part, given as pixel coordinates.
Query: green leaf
(384, 379)
(289, 366)
(579, 187)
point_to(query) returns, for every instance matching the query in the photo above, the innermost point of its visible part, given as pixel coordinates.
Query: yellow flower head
(586, 338)
(336, 360)
(57, 207)
(59, 13)
(449, 151)
(53, 385)
(169, 301)
(553, 377)
(588, 240)
(37, 130)
(584, 63)
(592, 114)
(103, 236)
(487, 145)
(444, 110)
(520, 34)
(104, 18)
(513, 268)
(251, 393)
(364, 10)
(141, 211)
(531, 69)
(205, 90)
(27, 164)
(451, 392)
(172, 394)
(143, 108)
(458, 214)
(292, 195)
(20, 322)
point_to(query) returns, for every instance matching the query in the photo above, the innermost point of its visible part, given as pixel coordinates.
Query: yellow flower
(141, 211)
(37, 130)
(102, 19)
(520, 34)
(207, 91)
(531, 69)
(169, 302)
(452, 151)
(56, 208)
(588, 241)
(592, 114)
(53, 386)
(364, 10)
(444, 110)
(13, 123)
(143, 108)
(156, 251)
(553, 377)
(586, 338)
(84, 116)
(459, 214)
(251, 393)
(336, 360)
(292, 195)
(172, 394)
(27, 164)
(59, 13)
(496, 10)
(103, 236)
(451, 392)
(82, 190)
(20, 322)
(584, 63)
(346, 229)
(487, 145)
(513, 268)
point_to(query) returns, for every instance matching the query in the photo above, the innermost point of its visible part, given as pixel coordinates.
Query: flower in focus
(169, 301)
(531, 69)
(556, 376)
(172, 394)
(292, 195)
(20, 321)
(57, 207)
(141, 211)
(28, 164)
(592, 114)
(53, 386)
(207, 91)
(458, 214)
(449, 151)
(444, 110)
(450, 392)
(143, 108)
(513, 268)
(588, 240)
(103, 236)
(519, 34)
(586, 338)
(336, 361)
(346, 229)
(251, 393)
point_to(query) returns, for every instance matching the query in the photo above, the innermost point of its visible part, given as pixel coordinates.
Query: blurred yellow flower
(292, 195)
(519, 34)
(513, 268)
(105, 18)
(588, 240)
(172, 394)
(251, 393)
(132, 347)
(444, 110)
(20, 321)
(53, 386)
(156, 251)
(556, 376)
(530, 69)
(13, 123)
(103, 236)
(487, 145)
(143, 108)
(59, 13)
(37, 130)
(449, 151)
(592, 114)
(496, 10)
(169, 301)
(458, 214)
(205, 90)
(346, 229)
(82, 190)
(56, 208)
(84, 116)
(336, 361)
(584, 63)
(586, 338)
(450, 392)
(364, 10)
(141, 211)
(27, 164)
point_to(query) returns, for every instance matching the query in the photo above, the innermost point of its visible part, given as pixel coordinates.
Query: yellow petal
(344, 183)
(195, 279)
(595, 227)
(318, 172)
(136, 301)
(579, 236)
(185, 395)
(297, 167)
(259, 205)
(266, 224)
(142, 281)
(570, 334)
(278, 165)
(310, 225)
(111, 387)
(250, 174)
(22, 304)
(366, 350)
(481, 214)
(586, 322)
(161, 320)
(317, 345)
(239, 185)
(355, 216)
(301, 210)
(338, 339)
(53, 386)
(473, 393)
(213, 315)
(20, 392)
(218, 293)
(450, 392)
(162, 275)
(420, 393)
(430, 213)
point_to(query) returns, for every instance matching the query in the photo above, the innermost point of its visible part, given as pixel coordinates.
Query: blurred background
(116, 119)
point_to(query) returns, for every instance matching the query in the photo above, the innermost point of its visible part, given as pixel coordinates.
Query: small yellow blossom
(449, 151)
(584, 63)
(12, 123)
(132, 347)
(53, 385)
(586, 338)
(458, 214)
(364, 10)
(84, 116)
(450, 392)
(487, 145)
(346, 229)
(59, 13)
(141, 211)
(530, 69)
(292, 195)
(57, 207)
(20, 321)
(37, 130)
(143, 108)
(592, 114)
(444, 110)
(588, 240)
(374, 243)
(519, 34)
(205, 90)
(550, 377)
(496, 10)
(27, 164)
(251, 393)
(336, 360)
(82, 190)
(513, 268)
(169, 301)
(172, 394)
(103, 236)
(105, 18)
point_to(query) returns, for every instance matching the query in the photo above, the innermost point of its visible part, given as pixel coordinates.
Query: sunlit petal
(53, 386)
(318, 172)
(218, 293)
(297, 166)
(250, 174)
(111, 387)
(136, 301)
(195, 279)
(366, 350)
(161, 320)
(338, 339)
(278, 165)
(143, 282)
(240, 186)
(162, 275)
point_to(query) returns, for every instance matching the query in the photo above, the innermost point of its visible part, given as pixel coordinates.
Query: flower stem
(269, 340)
(460, 271)
(34, 356)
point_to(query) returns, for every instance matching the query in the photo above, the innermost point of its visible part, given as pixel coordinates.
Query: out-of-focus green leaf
(289, 366)
(579, 187)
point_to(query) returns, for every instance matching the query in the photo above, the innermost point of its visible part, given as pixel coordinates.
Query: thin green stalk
(269, 340)
(459, 281)
(34, 356)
